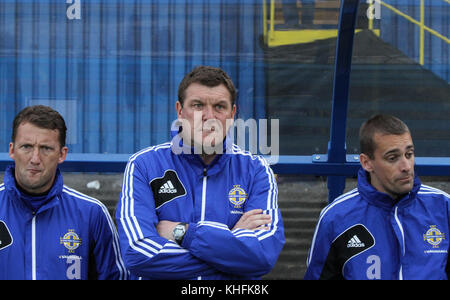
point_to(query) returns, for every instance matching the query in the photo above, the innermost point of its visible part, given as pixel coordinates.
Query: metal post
(265, 21)
(422, 33)
(344, 49)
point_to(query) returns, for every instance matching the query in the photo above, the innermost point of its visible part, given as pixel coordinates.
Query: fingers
(262, 222)
(254, 220)
(251, 213)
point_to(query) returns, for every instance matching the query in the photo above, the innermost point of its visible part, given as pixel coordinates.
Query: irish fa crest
(237, 196)
(434, 236)
(71, 241)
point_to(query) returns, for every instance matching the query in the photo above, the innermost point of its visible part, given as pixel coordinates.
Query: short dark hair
(208, 76)
(43, 117)
(383, 124)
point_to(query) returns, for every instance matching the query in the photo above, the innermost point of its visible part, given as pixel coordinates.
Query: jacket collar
(188, 153)
(34, 203)
(378, 198)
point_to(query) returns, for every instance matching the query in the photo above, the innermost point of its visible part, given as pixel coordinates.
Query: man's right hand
(253, 220)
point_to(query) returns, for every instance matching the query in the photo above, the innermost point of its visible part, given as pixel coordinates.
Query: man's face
(36, 153)
(392, 168)
(206, 111)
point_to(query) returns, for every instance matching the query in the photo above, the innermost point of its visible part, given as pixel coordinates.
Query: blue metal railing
(317, 164)
(336, 164)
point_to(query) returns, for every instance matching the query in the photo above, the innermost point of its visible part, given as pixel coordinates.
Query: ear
(233, 113)
(179, 107)
(11, 150)
(366, 162)
(63, 155)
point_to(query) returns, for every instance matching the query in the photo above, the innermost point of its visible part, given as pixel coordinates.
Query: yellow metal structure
(421, 24)
(301, 36)
(273, 37)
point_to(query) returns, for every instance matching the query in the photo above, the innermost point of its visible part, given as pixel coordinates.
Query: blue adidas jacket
(71, 236)
(363, 234)
(161, 185)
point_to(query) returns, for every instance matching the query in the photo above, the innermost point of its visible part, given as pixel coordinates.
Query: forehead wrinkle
(49, 137)
(195, 91)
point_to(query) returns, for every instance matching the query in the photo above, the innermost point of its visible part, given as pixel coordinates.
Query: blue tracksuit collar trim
(375, 197)
(34, 203)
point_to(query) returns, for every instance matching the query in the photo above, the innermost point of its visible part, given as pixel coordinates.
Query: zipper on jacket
(202, 217)
(33, 247)
(397, 220)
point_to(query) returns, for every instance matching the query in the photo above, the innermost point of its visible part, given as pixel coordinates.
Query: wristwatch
(178, 232)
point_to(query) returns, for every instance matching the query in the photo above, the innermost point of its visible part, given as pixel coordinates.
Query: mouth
(34, 171)
(209, 127)
(208, 132)
(405, 179)
(205, 131)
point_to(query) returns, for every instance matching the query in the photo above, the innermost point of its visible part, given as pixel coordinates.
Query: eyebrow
(44, 144)
(396, 150)
(222, 102)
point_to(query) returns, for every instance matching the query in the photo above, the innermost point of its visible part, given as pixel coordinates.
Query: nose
(35, 156)
(406, 164)
(208, 113)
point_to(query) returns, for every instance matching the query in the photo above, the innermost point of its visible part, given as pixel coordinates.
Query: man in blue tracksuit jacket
(184, 215)
(391, 226)
(48, 230)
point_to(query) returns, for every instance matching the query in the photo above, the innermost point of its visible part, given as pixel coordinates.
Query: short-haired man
(48, 230)
(192, 209)
(391, 226)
